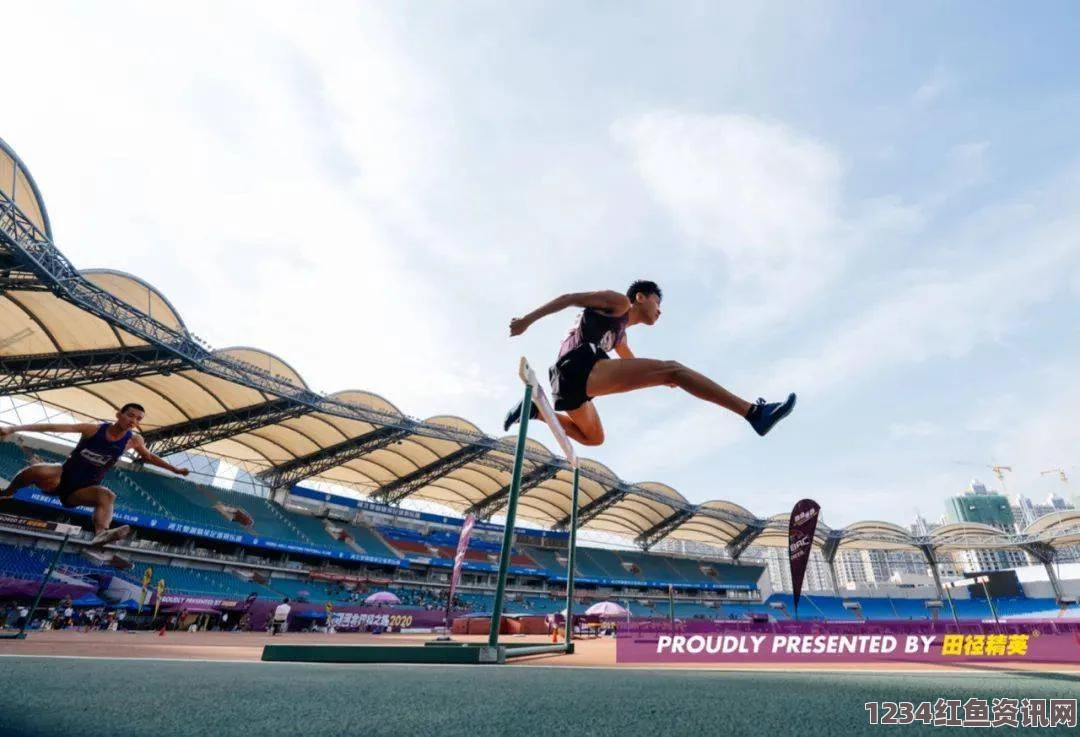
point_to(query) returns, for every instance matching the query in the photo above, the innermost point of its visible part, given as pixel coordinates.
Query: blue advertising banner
(342, 501)
(210, 533)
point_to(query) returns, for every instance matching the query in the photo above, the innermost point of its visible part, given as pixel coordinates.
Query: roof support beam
(1045, 554)
(43, 372)
(831, 546)
(398, 489)
(743, 540)
(298, 469)
(487, 506)
(200, 431)
(663, 528)
(595, 508)
(931, 557)
(829, 551)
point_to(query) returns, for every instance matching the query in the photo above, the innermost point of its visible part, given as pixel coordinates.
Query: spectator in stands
(281, 617)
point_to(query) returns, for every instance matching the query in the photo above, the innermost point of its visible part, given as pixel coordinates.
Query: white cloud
(1042, 434)
(1030, 251)
(275, 184)
(758, 194)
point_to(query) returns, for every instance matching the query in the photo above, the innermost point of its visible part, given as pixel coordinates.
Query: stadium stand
(650, 567)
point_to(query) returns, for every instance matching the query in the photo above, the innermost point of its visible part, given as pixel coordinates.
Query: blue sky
(872, 205)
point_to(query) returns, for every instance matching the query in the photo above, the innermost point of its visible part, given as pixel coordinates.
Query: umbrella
(382, 597)
(606, 609)
(88, 600)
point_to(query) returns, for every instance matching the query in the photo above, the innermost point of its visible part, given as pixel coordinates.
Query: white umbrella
(606, 609)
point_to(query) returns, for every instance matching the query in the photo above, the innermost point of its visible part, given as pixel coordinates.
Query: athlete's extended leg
(102, 500)
(44, 476)
(628, 374)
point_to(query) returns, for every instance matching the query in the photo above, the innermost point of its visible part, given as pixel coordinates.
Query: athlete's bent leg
(581, 424)
(584, 422)
(102, 500)
(44, 476)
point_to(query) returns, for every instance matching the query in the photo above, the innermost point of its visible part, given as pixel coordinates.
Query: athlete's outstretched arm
(140, 448)
(607, 301)
(83, 428)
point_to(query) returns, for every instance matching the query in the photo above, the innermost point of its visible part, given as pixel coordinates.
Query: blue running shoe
(514, 415)
(763, 416)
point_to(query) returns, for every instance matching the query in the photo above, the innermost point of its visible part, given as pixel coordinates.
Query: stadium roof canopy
(1058, 530)
(88, 341)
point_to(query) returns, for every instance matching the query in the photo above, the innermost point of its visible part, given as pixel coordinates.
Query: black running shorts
(570, 375)
(69, 484)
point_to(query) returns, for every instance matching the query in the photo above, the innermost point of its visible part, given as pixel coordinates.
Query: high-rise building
(985, 506)
(1057, 503)
(851, 568)
(776, 559)
(981, 505)
(1025, 511)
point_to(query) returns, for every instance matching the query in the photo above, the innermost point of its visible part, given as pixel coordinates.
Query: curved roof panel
(1059, 529)
(17, 184)
(264, 361)
(368, 399)
(967, 535)
(138, 294)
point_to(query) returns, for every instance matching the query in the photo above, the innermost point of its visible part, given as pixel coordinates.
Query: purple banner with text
(719, 643)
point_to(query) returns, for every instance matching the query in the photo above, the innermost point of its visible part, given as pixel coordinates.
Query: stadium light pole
(993, 610)
(952, 606)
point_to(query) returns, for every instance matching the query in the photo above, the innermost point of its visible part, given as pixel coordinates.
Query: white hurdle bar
(534, 394)
(540, 399)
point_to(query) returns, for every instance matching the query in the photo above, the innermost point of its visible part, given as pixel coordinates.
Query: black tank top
(593, 327)
(94, 456)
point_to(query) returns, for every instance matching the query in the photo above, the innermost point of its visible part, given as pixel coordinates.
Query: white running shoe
(110, 536)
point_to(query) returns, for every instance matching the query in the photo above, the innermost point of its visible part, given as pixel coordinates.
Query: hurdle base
(12, 635)
(381, 654)
(436, 651)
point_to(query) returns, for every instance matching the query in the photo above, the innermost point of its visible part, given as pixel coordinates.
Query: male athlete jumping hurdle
(77, 482)
(582, 372)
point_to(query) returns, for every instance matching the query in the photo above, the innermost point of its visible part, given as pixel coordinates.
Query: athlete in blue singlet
(77, 483)
(582, 370)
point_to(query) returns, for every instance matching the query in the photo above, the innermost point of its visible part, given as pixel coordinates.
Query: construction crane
(999, 471)
(1059, 471)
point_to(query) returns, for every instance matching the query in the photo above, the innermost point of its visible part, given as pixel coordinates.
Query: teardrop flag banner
(801, 527)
